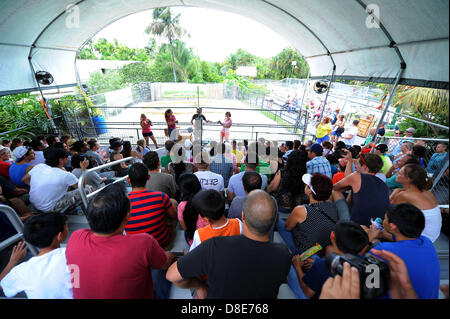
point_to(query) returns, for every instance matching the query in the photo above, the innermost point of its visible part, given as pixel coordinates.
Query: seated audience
(5, 162)
(318, 163)
(49, 183)
(415, 191)
(250, 182)
(222, 165)
(151, 211)
(158, 181)
(45, 276)
(235, 187)
(403, 225)
(311, 223)
(128, 151)
(113, 265)
(141, 149)
(120, 169)
(266, 264)
(190, 220)
(436, 159)
(19, 169)
(346, 238)
(369, 196)
(92, 178)
(166, 159)
(381, 150)
(210, 204)
(92, 152)
(38, 148)
(391, 175)
(208, 179)
(287, 186)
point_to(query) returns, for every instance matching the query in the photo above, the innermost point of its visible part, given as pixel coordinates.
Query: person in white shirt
(47, 275)
(208, 179)
(38, 147)
(349, 137)
(49, 183)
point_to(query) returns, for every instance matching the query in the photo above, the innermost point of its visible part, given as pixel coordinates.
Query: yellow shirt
(323, 130)
(239, 155)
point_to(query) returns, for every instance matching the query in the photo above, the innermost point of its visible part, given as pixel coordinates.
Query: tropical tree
(430, 104)
(166, 26)
(282, 67)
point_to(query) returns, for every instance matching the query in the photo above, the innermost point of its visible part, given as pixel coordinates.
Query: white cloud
(214, 35)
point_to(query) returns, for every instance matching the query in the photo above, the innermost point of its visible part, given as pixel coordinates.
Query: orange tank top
(231, 229)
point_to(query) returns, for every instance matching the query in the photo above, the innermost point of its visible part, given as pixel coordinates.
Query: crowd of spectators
(228, 200)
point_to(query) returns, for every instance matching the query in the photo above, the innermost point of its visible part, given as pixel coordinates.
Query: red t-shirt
(4, 169)
(117, 267)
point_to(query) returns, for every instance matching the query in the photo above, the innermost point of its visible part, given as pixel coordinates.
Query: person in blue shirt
(409, 132)
(347, 238)
(403, 225)
(436, 160)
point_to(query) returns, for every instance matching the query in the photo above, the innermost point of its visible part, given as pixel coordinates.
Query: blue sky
(214, 35)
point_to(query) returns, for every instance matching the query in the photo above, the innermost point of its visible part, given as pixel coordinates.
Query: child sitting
(210, 204)
(45, 276)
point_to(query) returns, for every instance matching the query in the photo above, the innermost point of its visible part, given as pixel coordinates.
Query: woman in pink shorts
(225, 132)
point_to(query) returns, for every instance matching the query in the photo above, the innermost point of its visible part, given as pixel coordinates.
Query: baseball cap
(383, 148)
(316, 148)
(410, 130)
(20, 152)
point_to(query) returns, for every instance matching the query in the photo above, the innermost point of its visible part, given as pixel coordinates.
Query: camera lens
(333, 264)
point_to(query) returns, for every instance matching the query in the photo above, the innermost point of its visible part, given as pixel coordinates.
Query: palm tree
(163, 25)
(428, 102)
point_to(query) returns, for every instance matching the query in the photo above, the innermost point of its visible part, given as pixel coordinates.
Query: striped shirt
(148, 210)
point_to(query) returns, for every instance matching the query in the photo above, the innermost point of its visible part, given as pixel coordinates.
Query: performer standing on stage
(171, 123)
(147, 131)
(198, 126)
(225, 132)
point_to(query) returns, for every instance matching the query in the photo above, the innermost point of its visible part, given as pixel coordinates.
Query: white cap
(306, 178)
(20, 151)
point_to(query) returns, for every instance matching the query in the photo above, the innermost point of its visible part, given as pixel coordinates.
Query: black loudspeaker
(44, 78)
(321, 86)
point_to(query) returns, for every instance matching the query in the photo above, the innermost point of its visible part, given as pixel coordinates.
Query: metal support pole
(328, 91)
(391, 96)
(42, 95)
(77, 73)
(297, 123)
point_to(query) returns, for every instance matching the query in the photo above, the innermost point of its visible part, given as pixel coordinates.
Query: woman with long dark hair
(416, 185)
(171, 123)
(128, 151)
(287, 186)
(190, 220)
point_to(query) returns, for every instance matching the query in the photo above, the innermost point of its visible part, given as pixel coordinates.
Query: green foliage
(136, 72)
(22, 110)
(112, 51)
(110, 81)
(281, 65)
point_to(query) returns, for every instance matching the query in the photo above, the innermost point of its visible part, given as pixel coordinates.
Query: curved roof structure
(361, 39)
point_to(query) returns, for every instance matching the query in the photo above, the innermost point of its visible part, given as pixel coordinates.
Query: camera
(374, 274)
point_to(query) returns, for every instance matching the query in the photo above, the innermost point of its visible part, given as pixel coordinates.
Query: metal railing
(16, 222)
(85, 197)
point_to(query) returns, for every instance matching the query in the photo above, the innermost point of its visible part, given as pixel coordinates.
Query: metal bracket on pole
(328, 91)
(391, 96)
(297, 122)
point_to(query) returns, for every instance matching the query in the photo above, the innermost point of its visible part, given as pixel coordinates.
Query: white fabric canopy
(327, 32)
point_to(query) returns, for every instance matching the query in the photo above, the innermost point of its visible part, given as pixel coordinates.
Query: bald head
(259, 212)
